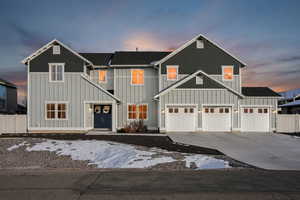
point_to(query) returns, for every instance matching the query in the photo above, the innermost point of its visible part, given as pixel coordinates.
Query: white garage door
(255, 119)
(181, 118)
(216, 119)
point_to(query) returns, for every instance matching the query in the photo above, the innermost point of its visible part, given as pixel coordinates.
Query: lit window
(56, 50)
(102, 76)
(137, 77)
(172, 72)
(56, 72)
(56, 111)
(143, 110)
(227, 73)
(137, 111)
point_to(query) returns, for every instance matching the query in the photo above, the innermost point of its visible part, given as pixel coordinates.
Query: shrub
(136, 126)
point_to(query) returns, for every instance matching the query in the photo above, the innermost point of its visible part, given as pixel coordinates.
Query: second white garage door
(255, 119)
(181, 118)
(217, 119)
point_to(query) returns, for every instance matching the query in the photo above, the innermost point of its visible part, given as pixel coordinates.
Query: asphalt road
(141, 184)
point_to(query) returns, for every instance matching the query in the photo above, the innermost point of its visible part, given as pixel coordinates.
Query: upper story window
(137, 77)
(56, 110)
(56, 72)
(227, 72)
(2, 97)
(200, 44)
(102, 76)
(172, 72)
(56, 50)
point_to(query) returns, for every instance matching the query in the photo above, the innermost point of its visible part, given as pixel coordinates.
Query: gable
(208, 59)
(73, 63)
(207, 83)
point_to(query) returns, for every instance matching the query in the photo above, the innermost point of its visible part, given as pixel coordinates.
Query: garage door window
(251, 110)
(221, 110)
(260, 110)
(176, 110)
(246, 110)
(191, 110)
(170, 110)
(265, 110)
(212, 110)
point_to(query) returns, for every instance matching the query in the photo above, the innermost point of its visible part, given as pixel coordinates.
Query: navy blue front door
(102, 116)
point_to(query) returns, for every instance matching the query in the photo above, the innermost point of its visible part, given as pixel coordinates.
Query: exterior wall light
(162, 111)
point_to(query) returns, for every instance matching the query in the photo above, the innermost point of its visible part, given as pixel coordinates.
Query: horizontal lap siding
(74, 89)
(267, 101)
(199, 97)
(136, 94)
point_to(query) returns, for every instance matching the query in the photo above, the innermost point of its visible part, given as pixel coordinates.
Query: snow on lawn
(116, 155)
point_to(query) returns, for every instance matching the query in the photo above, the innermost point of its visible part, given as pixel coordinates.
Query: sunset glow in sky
(264, 34)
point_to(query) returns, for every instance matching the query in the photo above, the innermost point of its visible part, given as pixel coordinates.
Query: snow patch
(105, 154)
(16, 146)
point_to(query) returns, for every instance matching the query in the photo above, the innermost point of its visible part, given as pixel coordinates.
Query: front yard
(35, 153)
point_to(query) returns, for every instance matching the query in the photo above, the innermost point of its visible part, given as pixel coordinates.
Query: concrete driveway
(263, 150)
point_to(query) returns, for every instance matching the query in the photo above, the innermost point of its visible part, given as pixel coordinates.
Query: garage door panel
(181, 118)
(217, 118)
(255, 119)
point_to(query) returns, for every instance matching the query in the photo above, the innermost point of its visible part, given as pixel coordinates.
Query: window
(185, 110)
(170, 110)
(102, 76)
(246, 110)
(191, 110)
(56, 72)
(199, 80)
(260, 110)
(56, 50)
(2, 97)
(138, 111)
(265, 110)
(56, 111)
(172, 72)
(251, 110)
(227, 73)
(200, 44)
(221, 110)
(226, 110)
(206, 110)
(212, 110)
(176, 110)
(137, 77)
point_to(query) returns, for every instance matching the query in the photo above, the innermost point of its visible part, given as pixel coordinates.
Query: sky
(265, 34)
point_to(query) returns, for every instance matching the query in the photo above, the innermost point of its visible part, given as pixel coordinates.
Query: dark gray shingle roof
(98, 58)
(259, 92)
(137, 57)
(6, 83)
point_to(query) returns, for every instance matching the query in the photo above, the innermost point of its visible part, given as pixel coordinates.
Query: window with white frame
(56, 72)
(102, 76)
(227, 73)
(172, 72)
(137, 77)
(200, 44)
(56, 50)
(139, 111)
(56, 111)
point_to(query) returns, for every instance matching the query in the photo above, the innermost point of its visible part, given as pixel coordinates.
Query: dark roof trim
(7, 84)
(259, 92)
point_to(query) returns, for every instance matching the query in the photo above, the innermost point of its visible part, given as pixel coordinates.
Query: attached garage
(181, 118)
(217, 118)
(255, 119)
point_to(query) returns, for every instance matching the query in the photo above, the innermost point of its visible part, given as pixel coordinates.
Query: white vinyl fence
(13, 124)
(288, 123)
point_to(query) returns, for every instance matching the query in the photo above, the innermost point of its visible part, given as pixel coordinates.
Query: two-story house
(195, 88)
(8, 97)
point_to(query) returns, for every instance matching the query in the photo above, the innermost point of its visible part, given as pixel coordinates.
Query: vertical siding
(199, 97)
(110, 79)
(260, 101)
(74, 90)
(136, 94)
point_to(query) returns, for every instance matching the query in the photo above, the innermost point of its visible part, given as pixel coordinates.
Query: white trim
(185, 79)
(131, 71)
(262, 97)
(199, 89)
(227, 66)
(132, 65)
(99, 87)
(56, 128)
(56, 110)
(49, 45)
(28, 96)
(257, 106)
(104, 70)
(50, 72)
(137, 111)
(172, 66)
(190, 42)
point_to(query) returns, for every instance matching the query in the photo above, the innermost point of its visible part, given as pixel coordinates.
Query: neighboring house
(290, 102)
(197, 87)
(8, 97)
